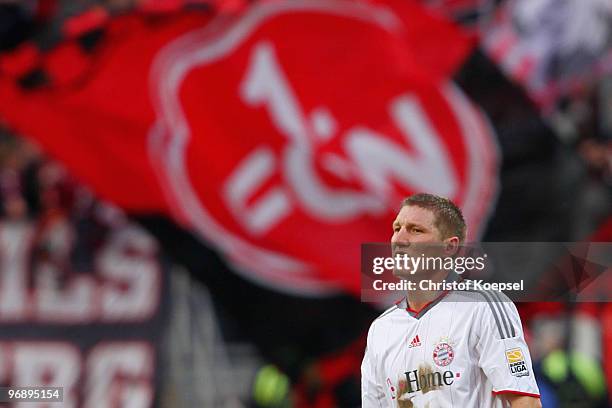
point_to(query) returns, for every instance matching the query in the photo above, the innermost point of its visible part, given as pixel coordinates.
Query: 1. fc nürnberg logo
(287, 136)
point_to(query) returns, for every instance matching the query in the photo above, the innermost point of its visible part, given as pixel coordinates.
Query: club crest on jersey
(443, 353)
(516, 362)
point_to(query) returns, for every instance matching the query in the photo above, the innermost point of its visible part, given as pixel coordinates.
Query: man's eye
(396, 229)
(417, 230)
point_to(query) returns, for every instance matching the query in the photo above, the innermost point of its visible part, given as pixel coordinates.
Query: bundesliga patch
(516, 362)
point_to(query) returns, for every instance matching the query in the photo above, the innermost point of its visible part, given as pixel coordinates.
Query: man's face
(414, 228)
(415, 224)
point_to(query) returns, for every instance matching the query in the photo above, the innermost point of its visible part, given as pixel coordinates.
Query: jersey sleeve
(372, 393)
(502, 351)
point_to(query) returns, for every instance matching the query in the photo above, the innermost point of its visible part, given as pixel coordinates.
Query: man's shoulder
(493, 308)
(477, 302)
(380, 325)
(387, 315)
(480, 296)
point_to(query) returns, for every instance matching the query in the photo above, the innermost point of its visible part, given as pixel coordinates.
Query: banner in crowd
(284, 136)
(551, 48)
(81, 308)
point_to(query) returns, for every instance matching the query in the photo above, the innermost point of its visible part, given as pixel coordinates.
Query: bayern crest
(443, 354)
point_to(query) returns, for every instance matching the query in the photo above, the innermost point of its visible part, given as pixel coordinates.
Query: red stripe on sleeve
(516, 393)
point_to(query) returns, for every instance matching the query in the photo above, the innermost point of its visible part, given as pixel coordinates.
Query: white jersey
(462, 350)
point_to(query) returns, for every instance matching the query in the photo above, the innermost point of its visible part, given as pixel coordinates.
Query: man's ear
(451, 246)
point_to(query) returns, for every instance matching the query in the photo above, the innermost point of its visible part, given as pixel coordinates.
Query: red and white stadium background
(284, 136)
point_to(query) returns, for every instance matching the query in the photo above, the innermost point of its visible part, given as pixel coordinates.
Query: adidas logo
(416, 342)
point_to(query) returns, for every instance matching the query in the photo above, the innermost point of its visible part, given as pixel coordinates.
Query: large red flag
(284, 136)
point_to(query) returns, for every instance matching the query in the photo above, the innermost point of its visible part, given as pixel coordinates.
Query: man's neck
(418, 299)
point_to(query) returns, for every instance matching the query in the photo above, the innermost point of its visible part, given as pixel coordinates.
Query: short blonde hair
(449, 219)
